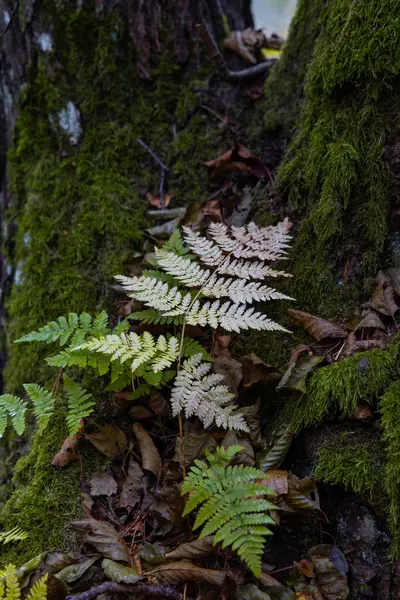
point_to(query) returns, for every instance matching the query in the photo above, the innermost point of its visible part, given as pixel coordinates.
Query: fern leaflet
(43, 404)
(14, 408)
(15, 534)
(10, 588)
(79, 404)
(232, 504)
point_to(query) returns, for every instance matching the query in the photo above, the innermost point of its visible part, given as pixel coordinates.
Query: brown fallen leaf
(277, 481)
(371, 321)
(302, 493)
(354, 345)
(110, 440)
(196, 442)
(394, 275)
(183, 570)
(252, 417)
(305, 567)
(158, 404)
(132, 488)
(156, 200)
(331, 570)
(107, 541)
(255, 370)
(246, 43)
(67, 452)
(246, 455)
(240, 208)
(296, 375)
(141, 413)
(230, 368)
(237, 159)
(316, 327)
(383, 297)
(192, 550)
(103, 484)
(151, 460)
(274, 457)
(212, 209)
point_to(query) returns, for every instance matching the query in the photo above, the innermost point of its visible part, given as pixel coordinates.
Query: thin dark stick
(110, 587)
(163, 169)
(7, 27)
(251, 71)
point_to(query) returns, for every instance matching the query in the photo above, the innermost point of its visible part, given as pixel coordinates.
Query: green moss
(341, 386)
(335, 169)
(357, 467)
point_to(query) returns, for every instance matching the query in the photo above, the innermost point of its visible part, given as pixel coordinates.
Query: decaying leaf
(75, 571)
(246, 455)
(250, 592)
(196, 441)
(183, 570)
(354, 345)
(306, 568)
(230, 368)
(252, 416)
(241, 208)
(277, 481)
(274, 457)
(158, 404)
(192, 550)
(331, 569)
(107, 541)
(302, 493)
(151, 460)
(394, 275)
(165, 230)
(295, 376)
(120, 573)
(153, 554)
(318, 328)
(371, 321)
(132, 488)
(255, 370)
(237, 159)
(383, 297)
(67, 452)
(212, 210)
(141, 413)
(103, 484)
(156, 200)
(110, 440)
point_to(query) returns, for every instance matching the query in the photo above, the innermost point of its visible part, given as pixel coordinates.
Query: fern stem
(182, 443)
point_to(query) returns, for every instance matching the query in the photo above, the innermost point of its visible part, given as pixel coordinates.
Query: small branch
(251, 71)
(7, 27)
(110, 587)
(163, 166)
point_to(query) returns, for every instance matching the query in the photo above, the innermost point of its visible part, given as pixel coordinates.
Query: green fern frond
(100, 324)
(154, 317)
(39, 589)
(79, 404)
(71, 357)
(232, 504)
(16, 534)
(14, 408)
(175, 244)
(191, 347)
(43, 404)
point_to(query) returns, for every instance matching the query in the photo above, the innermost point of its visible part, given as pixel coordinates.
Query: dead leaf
(141, 413)
(158, 404)
(302, 493)
(250, 592)
(241, 208)
(371, 321)
(318, 328)
(156, 200)
(296, 375)
(383, 297)
(68, 452)
(394, 275)
(237, 159)
(354, 345)
(196, 441)
(74, 572)
(132, 488)
(362, 413)
(119, 573)
(107, 541)
(151, 460)
(331, 570)
(192, 550)
(246, 43)
(213, 209)
(186, 571)
(246, 455)
(274, 457)
(306, 568)
(165, 230)
(103, 484)
(255, 370)
(230, 368)
(277, 481)
(110, 440)
(252, 417)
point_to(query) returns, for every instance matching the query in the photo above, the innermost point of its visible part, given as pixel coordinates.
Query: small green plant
(232, 504)
(10, 588)
(16, 534)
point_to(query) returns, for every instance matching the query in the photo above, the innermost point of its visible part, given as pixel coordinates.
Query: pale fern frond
(208, 252)
(79, 405)
(185, 270)
(15, 408)
(232, 505)
(16, 534)
(200, 394)
(230, 316)
(39, 589)
(43, 404)
(157, 294)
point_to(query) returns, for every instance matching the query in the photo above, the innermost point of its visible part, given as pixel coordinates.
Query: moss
(342, 385)
(335, 169)
(357, 467)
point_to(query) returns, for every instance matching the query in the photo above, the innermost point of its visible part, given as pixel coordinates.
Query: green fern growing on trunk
(10, 588)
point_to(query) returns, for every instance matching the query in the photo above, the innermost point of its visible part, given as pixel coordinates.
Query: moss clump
(357, 467)
(335, 168)
(340, 386)
(284, 85)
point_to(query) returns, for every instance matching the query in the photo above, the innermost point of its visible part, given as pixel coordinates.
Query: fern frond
(43, 404)
(10, 586)
(15, 408)
(232, 505)
(191, 347)
(16, 534)
(202, 395)
(39, 589)
(185, 270)
(175, 244)
(154, 317)
(157, 294)
(79, 404)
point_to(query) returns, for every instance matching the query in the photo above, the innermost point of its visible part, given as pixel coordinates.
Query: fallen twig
(109, 587)
(163, 166)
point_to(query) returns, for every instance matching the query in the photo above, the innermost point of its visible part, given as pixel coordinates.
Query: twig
(110, 587)
(251, 71)
(163, 166)
(7, 27)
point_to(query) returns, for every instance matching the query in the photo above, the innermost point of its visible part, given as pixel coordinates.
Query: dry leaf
(151, 460)
(110, 440)
(316, 327)
(165, 230)
(249, 592)
(156, 200)
(231, 369)
(141, 413)
(192, 550)
(354, 345)
(103, 484)
(213, 209)
(383, 298)
(237, 159)
(306, 568)
(371, 321)
(246, 455)
(68, 452)
(241, 208)
(158, 404)
(74, 572)
(277, 481)
(252, 417)
(186, 571)
(296, 375)
(107, 541)
(331, 569)
(274, 457)
(255, 370)
(132, 488)
(196, 441)
(394, 275)
(302, 493)
(119, 573)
